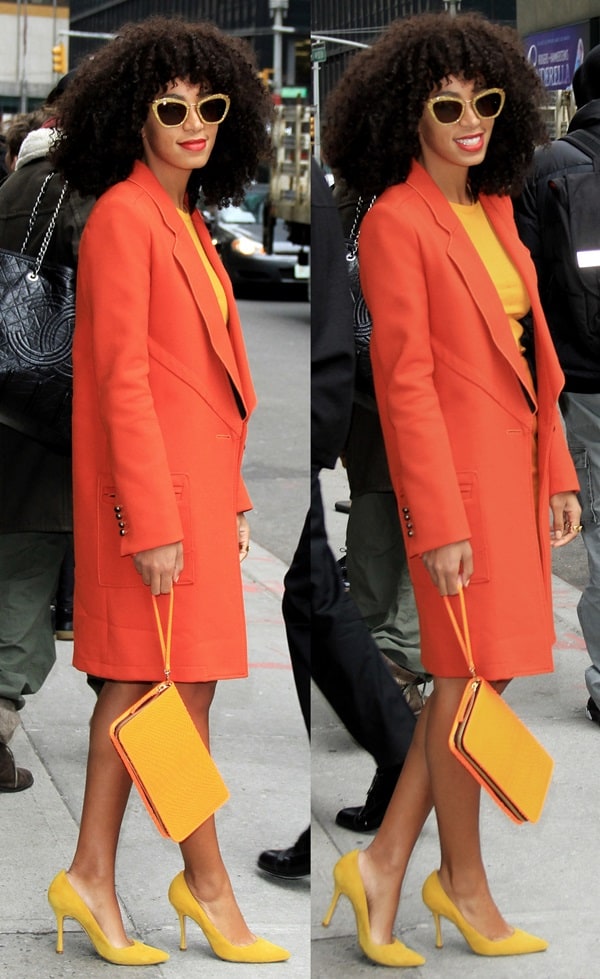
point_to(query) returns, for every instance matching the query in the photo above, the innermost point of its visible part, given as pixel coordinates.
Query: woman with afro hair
(438, 121)
(162, 396)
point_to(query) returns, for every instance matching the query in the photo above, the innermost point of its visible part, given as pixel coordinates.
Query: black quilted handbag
(362, 317)
(37, 316)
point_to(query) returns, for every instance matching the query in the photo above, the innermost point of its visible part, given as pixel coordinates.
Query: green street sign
(318, 52)
(291, 92)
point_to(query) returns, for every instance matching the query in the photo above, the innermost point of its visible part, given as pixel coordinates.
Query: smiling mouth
(470, 142)
(194, 144)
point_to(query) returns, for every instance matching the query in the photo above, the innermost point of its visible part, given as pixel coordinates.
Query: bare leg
(432, 775)
(205, 872)
(92, 872)
(456, 798)
(383, 864)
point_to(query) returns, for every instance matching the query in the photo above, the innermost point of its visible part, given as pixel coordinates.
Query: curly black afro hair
(104, 108)
(371, 121)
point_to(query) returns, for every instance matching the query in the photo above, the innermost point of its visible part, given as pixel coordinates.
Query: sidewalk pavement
(260, 745)
(542, 876)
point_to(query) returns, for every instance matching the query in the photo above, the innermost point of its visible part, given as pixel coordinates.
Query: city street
(276, 466)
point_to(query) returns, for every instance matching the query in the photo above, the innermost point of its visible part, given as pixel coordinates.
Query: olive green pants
(29, 569)
(379, 580)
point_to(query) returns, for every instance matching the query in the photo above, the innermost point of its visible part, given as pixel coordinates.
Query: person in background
(20, 126)
(580, 401)
(376, 562)
(328, 639)
(36, 518)
(4, 171)
(162, 397)
(39, 122)
(475, 447)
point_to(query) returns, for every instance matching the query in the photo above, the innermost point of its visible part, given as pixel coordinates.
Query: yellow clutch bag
(160, 746)
(494, 745)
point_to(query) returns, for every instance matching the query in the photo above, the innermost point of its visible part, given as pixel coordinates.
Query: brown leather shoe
(12, 779)
(411, 684)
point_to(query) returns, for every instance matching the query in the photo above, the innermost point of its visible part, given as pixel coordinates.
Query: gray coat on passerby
(35, 481)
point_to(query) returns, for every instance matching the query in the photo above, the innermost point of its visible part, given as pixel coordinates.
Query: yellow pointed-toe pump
(347, 881)
(66, 903)
(186, 905)
(440, 905)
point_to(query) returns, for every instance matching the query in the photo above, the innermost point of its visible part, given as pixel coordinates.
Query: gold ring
(577, 528)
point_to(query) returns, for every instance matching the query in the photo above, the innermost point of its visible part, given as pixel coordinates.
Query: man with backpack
(558, 216)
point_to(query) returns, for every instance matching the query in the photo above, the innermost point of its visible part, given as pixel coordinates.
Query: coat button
(122, 532)
(411, 533)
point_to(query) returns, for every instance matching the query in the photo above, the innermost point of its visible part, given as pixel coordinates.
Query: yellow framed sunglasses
(171, 111)
(449, 109)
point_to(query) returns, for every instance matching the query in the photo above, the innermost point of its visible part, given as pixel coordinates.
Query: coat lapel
(226, 340)
(472, 269)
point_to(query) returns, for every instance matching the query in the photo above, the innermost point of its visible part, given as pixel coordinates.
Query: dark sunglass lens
(447, 110)
(213, 110)
(171, 113)
(488, 104)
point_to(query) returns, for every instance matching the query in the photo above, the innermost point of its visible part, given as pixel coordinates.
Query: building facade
(251, 19)
(362, 21)
(541, 15)
(30, 29)
(28, 32)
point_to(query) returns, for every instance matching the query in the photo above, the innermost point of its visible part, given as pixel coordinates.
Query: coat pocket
(469, 490)
(117, 571)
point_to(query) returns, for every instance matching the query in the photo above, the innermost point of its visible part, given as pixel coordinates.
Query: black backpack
(574, 227)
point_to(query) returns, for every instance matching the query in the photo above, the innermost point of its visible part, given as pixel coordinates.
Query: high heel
(66, 903)
(186, 904)
(438, 902)
(347, 880)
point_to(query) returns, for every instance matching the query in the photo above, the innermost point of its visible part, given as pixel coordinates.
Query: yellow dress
(510, 287)
(219, 291)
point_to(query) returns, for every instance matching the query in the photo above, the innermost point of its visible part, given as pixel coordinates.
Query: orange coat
(457, 425)
(162, 394)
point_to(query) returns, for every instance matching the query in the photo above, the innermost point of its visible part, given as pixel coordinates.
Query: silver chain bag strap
(37, 317)
(362, 317)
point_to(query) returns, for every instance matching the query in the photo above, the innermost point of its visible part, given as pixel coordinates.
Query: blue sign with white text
(558, 53)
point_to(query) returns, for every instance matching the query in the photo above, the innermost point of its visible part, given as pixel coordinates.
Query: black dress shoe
(63, 623)
(291, 863)
(592, 712)
(361, 819)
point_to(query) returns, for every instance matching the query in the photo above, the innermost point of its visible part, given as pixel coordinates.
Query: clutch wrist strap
(165, 643)
(464, 639)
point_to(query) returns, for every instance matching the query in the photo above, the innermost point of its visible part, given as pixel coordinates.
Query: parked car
(237, 234)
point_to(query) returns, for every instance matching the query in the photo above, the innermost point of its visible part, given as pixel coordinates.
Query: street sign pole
(316, 67)
(318, 55)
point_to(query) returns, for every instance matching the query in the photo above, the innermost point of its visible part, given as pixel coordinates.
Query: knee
(197, 697)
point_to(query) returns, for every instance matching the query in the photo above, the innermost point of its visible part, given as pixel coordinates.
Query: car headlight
(246, 246)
